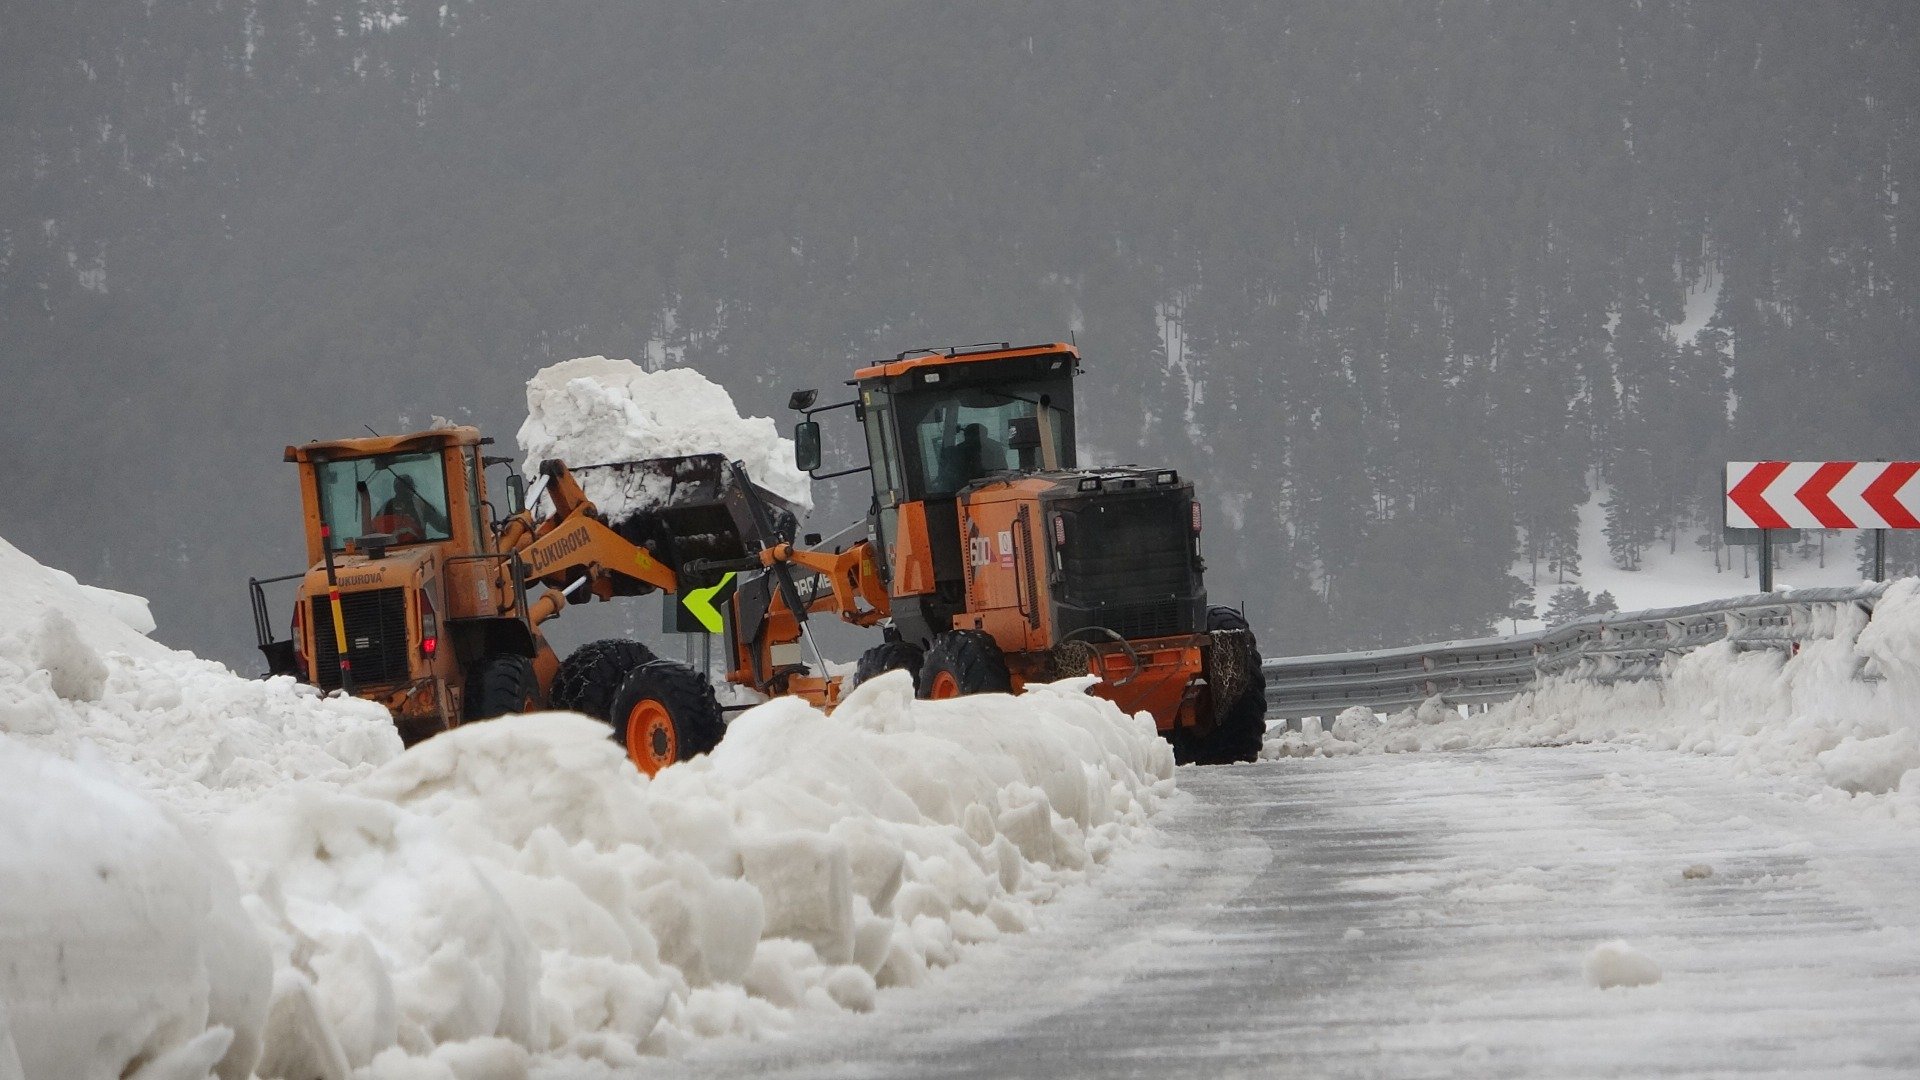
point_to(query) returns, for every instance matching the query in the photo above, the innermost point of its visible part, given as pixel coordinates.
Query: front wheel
(964, 662)
(590, 676)
(502, 683)
(890, 656)
(665, 712)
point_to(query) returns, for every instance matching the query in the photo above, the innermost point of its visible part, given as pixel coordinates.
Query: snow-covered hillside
(204, 874)
(1684, 575)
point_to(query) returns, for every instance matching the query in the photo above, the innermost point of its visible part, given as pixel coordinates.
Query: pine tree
(1569, 602)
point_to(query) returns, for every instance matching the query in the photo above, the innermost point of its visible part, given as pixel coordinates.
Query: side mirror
(516, 495)
(802, 400)
(806, 445)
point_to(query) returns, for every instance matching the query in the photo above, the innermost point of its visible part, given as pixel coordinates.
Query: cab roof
(919, 359)
(337, 449)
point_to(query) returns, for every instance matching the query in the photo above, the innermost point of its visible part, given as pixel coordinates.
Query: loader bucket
(693, 508)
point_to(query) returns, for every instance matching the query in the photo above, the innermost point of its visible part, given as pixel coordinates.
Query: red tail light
(1196, 518)
(429, 627)
(1059, 531)
(300, 632)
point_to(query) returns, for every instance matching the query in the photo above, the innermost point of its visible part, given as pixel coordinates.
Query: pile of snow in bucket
(508, 899)
(593, 411)
(1839, 718)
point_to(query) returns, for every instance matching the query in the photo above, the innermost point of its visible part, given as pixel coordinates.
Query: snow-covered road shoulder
(1836, 719)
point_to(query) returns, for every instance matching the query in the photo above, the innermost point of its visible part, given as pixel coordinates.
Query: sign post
(1775, 495)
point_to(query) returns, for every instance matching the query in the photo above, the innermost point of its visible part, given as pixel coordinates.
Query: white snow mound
(74, 675)
(1616, 963)
(593, 410)
(1837, 720)
(518, 880)
(506, 898)
(124, 942)
(122, 932)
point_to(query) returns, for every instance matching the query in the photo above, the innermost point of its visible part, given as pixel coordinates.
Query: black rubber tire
(890, 656)
(687, 697)
(1244, 726)
(500, 684)
(591, 674)
(974, 660)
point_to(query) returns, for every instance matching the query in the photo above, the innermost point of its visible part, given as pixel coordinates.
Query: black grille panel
(1155, 618)
(376, 638)
(1128, 565)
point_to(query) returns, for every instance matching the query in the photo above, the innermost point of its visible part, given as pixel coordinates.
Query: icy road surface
(1428, 915)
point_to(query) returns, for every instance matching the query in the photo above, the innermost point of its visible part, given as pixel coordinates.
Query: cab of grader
(1003, 562)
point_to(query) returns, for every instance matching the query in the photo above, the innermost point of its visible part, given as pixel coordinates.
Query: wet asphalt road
(1427, 916)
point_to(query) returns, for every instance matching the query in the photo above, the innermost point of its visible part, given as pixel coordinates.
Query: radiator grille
(376, 638)
(1153, 618)
(1128, 566)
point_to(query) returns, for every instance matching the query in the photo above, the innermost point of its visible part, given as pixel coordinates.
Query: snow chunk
(75, 671)
(592, 411)
(1616, 963)
(123, 934)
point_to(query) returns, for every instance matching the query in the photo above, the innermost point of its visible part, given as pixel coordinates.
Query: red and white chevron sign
(1823, 494)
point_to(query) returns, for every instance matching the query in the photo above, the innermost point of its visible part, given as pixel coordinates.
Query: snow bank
(120, 927)
(1840, 718)
(518, 881)
(122, 934)
(594, 410)
(74, 674)
(197, 869)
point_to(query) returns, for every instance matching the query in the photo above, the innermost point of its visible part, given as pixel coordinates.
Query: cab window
(403, 496)
(963, 435)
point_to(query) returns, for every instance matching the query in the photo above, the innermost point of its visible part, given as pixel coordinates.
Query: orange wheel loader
(417, 592)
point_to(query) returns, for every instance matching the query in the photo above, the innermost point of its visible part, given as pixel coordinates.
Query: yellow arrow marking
(700, 602)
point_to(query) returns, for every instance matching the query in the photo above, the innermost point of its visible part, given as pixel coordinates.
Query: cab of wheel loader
(936, 421)
(377, 495)
(400, 550)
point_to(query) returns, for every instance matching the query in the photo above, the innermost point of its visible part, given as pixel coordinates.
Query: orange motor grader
(999, 561)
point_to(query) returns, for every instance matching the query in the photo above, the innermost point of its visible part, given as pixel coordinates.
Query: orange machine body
(982, 520)
(418, 577)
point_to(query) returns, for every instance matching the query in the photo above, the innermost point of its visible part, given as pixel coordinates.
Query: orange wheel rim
(651, 741)
(945, 685)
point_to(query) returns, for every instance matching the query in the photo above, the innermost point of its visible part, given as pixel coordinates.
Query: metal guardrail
(1599, 648)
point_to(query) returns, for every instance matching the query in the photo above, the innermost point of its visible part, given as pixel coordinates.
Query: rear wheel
(890, 656)
(1240, 729)
(591, 674)
(964, 662)
(665, 712)
(502, 683)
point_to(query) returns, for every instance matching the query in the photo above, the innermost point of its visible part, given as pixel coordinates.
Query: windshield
(964, 434)
(401, 495)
